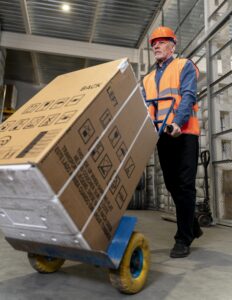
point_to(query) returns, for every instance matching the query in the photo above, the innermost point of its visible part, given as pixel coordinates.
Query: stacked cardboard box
(71, 157)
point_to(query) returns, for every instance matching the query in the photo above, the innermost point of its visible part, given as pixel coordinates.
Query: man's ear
(173, 48)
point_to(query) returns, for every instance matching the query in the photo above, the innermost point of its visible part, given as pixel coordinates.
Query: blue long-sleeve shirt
(188, 90)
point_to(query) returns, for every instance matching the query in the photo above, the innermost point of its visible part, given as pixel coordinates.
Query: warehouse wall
(25, 91)
(2, 64)
(214, 60)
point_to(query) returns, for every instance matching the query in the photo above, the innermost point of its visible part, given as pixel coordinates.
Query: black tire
(204, 220)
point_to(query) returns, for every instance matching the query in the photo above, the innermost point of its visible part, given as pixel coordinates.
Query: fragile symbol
(114, 136)
(121, 197)
(86, 131)
(129, 167)
(105, 166)
(4, 140)
(105, 118)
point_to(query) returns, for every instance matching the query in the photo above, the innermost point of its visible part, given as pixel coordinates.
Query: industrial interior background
(39, 41)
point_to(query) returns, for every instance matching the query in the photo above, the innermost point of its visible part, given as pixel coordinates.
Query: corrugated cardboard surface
(90, 135)
(38, 124)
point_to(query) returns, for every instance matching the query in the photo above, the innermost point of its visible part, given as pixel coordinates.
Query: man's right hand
(176, 131)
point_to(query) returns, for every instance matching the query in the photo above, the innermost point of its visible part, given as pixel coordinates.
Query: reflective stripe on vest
(168, 91)
(169, 86)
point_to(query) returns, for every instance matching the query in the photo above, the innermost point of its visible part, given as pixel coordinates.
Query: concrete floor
(204, 275)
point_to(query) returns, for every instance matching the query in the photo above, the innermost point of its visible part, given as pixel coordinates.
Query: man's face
(162, 49)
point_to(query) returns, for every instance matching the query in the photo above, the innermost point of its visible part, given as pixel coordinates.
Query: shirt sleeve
(145, 96)
(188, 92)
(143, 93)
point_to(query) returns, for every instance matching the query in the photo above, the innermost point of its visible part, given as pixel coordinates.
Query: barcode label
(38, 144)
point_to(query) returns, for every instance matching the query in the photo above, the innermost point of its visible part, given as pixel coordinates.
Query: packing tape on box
(123, 66)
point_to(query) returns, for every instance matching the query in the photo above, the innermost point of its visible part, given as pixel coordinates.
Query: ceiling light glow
(66, 7)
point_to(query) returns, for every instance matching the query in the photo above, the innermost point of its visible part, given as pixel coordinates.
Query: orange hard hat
(162, 32)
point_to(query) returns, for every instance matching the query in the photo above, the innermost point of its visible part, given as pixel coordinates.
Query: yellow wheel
(45, 264)
(132, 273)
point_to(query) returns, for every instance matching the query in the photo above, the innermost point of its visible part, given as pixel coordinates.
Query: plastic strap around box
(56, 197)
(95, 144)
(114, 176)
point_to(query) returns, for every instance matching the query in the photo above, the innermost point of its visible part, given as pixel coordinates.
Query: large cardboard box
(71, 157)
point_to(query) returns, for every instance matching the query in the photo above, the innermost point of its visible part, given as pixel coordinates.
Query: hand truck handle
(164, 125)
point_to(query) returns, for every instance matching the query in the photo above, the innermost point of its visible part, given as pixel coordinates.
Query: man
(178, 150)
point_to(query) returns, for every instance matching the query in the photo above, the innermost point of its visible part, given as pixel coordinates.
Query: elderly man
(178, 150)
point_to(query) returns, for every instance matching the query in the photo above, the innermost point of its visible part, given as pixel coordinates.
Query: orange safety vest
(169, 86)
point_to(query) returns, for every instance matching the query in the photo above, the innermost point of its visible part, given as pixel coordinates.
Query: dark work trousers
(178, 159)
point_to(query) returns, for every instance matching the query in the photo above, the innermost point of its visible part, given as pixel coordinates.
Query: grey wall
(25, 91)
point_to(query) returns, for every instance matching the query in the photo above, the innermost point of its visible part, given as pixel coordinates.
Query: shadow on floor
(81, 282)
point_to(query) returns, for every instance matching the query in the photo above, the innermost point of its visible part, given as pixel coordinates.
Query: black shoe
(198, 233)
(179, 250)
